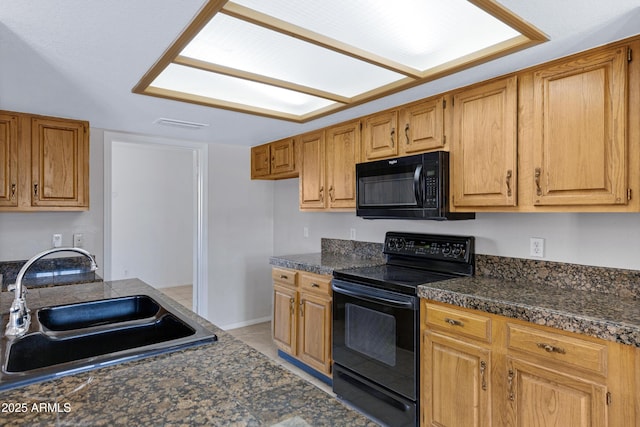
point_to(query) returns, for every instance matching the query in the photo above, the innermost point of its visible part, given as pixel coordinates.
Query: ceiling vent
(180, 123)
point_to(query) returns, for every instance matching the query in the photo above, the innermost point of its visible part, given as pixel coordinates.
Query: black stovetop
(416, 259)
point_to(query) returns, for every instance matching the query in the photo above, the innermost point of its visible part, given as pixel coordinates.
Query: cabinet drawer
(459, 322)
(284, 276)
(557, 347)
(315, 283)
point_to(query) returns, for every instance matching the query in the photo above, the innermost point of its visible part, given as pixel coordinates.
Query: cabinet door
(580, 113)
(312, 192)
(342, 154)
(60, 163)
(260, 161)
(456, 383)
(484, 155)
(380, 137)
(284, 318)
(314, 336)
(283, 157)
(423, 127)
(8, 160)
(543, 397)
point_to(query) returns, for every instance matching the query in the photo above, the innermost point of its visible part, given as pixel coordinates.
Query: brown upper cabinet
(8, 160)
(380, 136)
(580, 114)
(311, 160)
(342, 154)
(275, 160)
(327, 173)
(46, 163)
(484, 153)
(422, 126)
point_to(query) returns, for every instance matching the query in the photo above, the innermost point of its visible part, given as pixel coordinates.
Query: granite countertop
(606, 316)
(222, 383)
(323, 263)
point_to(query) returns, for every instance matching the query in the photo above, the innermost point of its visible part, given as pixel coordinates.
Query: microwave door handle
(416, 185)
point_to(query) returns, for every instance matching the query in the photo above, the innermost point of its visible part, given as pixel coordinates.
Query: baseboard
(246, 323)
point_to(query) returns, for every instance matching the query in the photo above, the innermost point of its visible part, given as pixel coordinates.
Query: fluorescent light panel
(301, 59)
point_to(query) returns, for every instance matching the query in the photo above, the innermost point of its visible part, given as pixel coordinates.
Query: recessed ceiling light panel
(302, 59)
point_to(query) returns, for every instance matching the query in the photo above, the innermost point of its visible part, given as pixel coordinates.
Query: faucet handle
(11, 287)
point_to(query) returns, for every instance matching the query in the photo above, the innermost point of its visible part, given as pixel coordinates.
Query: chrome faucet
(19, 317)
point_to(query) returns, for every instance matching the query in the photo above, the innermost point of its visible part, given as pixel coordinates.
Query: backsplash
(619, 282)
(352, 248)
(49, 272)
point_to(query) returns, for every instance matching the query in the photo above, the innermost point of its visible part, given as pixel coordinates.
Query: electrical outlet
(56, 240)
(78, 240)
(305, 231)
(352, 233)
(536, 247)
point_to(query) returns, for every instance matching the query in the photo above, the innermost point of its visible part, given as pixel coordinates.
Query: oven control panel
(429, 246)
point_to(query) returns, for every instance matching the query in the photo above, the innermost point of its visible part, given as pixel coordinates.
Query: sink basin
(72, 338)
(39, 350)
(95, 313)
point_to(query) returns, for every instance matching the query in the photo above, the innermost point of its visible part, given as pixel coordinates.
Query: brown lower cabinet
(302, 316)
(479, 369)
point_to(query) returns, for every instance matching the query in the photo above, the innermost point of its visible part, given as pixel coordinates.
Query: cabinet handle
(35, 190)
(315, 285)
(453, 322)
(393, 133)
(284, 276)
(292, 305)
(322, 194)
(537, 174)
(406, 132)
(511, 395)
(551, 348)
(13, 191)
(509, 174)
(301, 308)
(483, 368)
(331, 193)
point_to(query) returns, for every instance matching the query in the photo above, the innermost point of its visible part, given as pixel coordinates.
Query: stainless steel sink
(78, 337)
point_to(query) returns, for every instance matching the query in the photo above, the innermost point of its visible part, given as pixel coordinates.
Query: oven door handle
(417, 191)
(373, 298)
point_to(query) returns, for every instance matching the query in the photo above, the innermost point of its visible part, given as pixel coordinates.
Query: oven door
(375, 335)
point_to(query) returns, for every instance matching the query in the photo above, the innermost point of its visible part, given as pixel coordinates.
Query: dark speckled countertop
(219, 384)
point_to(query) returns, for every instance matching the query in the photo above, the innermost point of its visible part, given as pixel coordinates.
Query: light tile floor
(257, 336)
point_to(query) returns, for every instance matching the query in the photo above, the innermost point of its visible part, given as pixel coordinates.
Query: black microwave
(411, 187)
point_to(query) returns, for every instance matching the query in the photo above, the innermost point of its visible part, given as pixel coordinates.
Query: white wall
(23, 235)
(240, 239)
(152, 211)
(611, 240)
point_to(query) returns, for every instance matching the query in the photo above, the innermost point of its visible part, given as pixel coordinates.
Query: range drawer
(459, 322)
(566, 350)
(315, 283)
(284, 276)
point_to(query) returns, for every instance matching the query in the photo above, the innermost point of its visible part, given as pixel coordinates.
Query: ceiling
(81, 59)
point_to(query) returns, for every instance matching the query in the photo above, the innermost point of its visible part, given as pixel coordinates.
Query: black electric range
(376, 315)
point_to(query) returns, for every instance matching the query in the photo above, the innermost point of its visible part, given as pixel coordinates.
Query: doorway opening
(155, 212)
